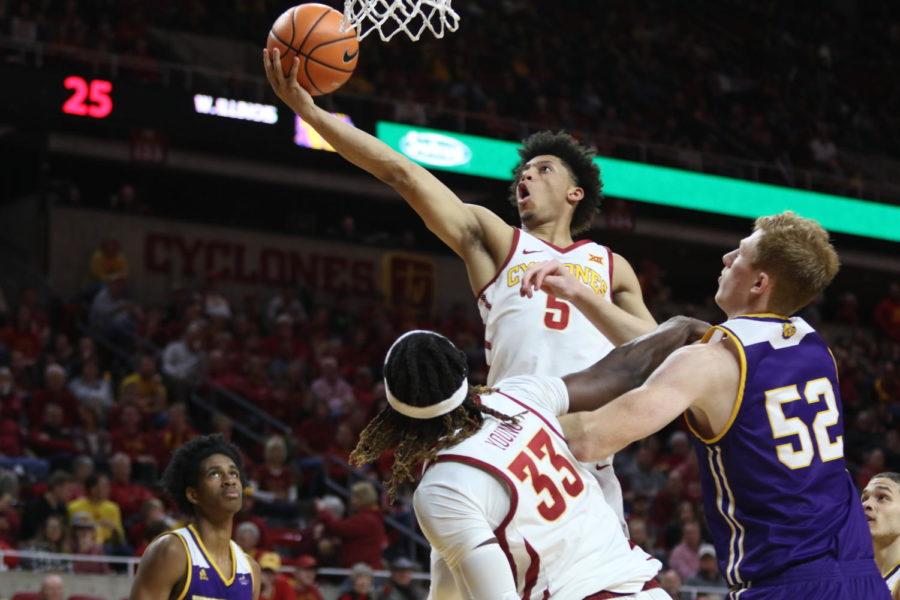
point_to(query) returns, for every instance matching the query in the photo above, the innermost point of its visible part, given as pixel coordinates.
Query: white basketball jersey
(543, 335)
(561, 538)
(892, 579)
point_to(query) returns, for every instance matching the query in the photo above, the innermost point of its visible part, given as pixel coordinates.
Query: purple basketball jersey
(776, 491)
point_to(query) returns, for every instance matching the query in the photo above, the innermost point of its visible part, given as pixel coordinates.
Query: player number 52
(814, 391)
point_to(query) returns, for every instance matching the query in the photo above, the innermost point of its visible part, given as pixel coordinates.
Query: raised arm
(620, 321)
(162, 568)
(477, 235)
(697, 377)
(628, 366)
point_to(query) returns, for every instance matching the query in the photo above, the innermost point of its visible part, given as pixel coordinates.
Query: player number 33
(524, 467)
(814, 391)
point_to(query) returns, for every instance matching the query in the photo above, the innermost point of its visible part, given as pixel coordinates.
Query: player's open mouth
(522, 192)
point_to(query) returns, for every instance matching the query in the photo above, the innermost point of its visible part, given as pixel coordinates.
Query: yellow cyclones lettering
(582, 273)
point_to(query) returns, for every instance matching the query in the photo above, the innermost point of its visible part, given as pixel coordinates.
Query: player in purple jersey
(762, 400)
(205, 478)
(881, 501)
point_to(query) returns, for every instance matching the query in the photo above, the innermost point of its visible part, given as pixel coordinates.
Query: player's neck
(887, 556)
(557, 233)
(216, 535)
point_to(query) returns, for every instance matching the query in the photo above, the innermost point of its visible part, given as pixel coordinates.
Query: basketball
(312, 31)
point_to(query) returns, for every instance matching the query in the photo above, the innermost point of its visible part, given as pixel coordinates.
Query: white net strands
(390, 17)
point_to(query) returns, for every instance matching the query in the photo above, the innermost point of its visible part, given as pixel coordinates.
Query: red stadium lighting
(96, 91)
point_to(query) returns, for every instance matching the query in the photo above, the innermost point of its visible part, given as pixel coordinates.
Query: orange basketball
(312, 32)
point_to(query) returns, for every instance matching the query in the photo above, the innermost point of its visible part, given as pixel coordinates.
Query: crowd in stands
(90, 417)
(784, 84)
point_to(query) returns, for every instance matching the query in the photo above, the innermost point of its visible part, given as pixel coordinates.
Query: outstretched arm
(693, 377)
(616, 323)
(476, 234)
(628, 366)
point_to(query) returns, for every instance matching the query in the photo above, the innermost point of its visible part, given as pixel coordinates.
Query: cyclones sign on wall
(163, 255)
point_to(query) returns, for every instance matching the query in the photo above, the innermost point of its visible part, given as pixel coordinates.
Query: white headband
(424, 412)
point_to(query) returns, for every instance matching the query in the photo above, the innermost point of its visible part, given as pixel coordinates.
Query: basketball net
(389, 17)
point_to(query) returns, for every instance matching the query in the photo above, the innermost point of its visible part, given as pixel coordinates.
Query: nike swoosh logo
(600, 467)
(348, 57)
(530, 251)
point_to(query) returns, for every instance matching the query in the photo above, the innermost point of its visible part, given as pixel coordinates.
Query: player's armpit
(162, 568)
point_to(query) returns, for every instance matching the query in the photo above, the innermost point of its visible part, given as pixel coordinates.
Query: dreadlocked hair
(578, 159)
(422, 369)
(184, 468)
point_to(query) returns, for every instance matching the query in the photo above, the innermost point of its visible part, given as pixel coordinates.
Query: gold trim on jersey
(764, 316)
(740, 393)
(891, 571)
(209, 559)
(190, 565)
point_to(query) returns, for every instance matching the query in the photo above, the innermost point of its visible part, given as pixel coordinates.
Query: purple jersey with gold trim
(776, 491)
(204, 579)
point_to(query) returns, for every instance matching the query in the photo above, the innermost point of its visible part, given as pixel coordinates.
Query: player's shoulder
(167, 551)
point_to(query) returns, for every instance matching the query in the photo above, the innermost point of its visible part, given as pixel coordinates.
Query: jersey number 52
(782, 427)
(529, 464)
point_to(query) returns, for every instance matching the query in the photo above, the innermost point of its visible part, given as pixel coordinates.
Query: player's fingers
(267, 64)
(295, 68)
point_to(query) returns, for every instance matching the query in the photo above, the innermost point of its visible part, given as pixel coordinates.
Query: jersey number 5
(782, 426)
(524, 468)
(557, 313)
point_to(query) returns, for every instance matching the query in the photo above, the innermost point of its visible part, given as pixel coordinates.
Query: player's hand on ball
(550, 277)
(286, 86)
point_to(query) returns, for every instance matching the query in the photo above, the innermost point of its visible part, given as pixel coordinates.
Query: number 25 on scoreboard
(97, 91)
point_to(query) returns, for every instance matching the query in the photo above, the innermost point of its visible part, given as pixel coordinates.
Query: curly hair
(184, 468)
(422, 369)
(578, 159)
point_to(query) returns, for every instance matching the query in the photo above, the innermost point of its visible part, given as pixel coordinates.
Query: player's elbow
(399, 173)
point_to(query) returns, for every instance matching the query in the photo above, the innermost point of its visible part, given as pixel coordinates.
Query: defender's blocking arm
(627, 366)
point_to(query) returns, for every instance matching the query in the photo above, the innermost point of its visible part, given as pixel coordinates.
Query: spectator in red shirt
(283, 345)
(54, 391)
(316, 432)
(23, 336)
(90, 436)
(273, 585)
(51, 438)
(887, 313)
(362, 534)
(332, 389)
(275, 476)
(305, 585)
(176, 433)
(84, 530)
(340, 448)
(11, 398)
(153, 513)
(130, 439)
(128, 495)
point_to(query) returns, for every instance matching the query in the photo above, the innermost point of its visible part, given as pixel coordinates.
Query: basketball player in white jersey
(502, 501)
(557, 191)
(881, 501)
(206, 480)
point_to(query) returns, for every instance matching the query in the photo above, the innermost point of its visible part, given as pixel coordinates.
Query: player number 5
(782, 426)
(557, 313)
